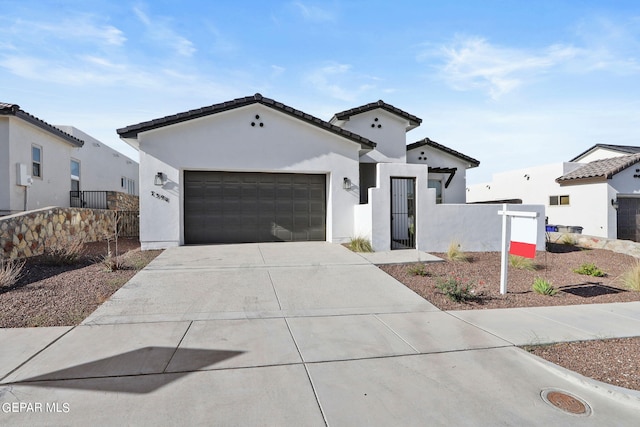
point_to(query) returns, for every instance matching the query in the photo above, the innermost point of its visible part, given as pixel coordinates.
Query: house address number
(160, 196)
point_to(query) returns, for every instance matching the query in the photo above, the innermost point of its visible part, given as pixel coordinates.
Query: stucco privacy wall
(24, 235)
(226, 141)
(477, 228)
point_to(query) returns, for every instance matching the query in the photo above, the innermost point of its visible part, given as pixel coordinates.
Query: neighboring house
(598, 190)
(40, 164)
(101, 167)
(253, 169)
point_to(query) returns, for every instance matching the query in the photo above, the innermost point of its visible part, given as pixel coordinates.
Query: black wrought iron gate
(403, 213)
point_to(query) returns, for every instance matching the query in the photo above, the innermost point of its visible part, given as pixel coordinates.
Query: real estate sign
(524, 234)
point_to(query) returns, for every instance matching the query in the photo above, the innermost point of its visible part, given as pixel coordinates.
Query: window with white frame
(128, 184)
(36, 161)
(559, 200)
(75, 175)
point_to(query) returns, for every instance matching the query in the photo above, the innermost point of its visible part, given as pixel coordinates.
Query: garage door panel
(227, 207)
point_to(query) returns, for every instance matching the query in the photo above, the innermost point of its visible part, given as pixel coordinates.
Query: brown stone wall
(24, 235)
(122, 201)
(591, 242)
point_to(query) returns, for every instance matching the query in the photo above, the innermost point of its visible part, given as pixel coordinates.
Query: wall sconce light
(159, 179)
(526, 176)
(346, 183)
(614, 203)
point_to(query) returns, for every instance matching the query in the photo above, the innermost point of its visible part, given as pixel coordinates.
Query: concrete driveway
(285, 334)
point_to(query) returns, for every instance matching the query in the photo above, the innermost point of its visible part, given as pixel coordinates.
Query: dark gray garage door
(629, 218)
(240, 207)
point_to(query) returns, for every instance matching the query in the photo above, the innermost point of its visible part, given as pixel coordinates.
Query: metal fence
(88, 199)
(128, 223)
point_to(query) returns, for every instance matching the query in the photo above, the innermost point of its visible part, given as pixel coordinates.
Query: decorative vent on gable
(376, 124)
(261, 124)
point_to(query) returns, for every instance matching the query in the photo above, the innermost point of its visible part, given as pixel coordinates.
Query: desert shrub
(454, 253)
(455, 289)
(522, 263)
(631, 278)
(590, 269)
(63, 251)
(543, 287)
(417, 270)
(360, 244)
(112, 263)
(10, 272)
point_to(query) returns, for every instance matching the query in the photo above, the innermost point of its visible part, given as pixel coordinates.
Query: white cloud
(80, 27)
(314, 13)
(160, 30)
(341, 82)
(474, 63)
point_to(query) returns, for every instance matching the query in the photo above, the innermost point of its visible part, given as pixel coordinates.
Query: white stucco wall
(5, 182)
(101, 167)
(52, 189)
(390, 137)
(476, 228)
(456, 192)
(589, 203)
(227, 142)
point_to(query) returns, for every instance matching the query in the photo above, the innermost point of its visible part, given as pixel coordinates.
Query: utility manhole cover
(566, 402)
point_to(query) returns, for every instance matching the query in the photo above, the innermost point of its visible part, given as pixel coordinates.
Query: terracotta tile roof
(473, 162)
(600, 169)
(622, 149)
(133, 130)
(14, 110)
(345, 115)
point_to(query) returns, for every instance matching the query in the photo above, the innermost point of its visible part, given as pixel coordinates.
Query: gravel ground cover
(53, 295)
(614, 361)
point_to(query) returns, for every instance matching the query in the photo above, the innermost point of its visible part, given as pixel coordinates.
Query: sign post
(523, 241)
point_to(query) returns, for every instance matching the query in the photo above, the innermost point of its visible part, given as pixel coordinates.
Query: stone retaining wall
(122, 201)
(622, 246)
(24, 235)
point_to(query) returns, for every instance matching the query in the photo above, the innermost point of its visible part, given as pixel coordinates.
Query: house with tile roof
(598, 191)
(40, 164)
(254, 169)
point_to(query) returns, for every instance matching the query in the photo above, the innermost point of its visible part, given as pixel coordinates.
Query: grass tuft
(10, 272)
(590, 269)
(522, 263)
(454, 253)
(543, 287)
(360, 244)
(63, 251)
(631, 278)
(568, 240)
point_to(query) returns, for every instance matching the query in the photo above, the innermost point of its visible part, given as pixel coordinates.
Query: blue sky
(511, 83)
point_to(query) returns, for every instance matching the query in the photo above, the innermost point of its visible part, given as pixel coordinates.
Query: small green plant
(63, 251)
(360, 244)
(590, 269)
(454, 289)
(112, 263)
(631, 278)
(10, 272)
(568, 240)
(454, 253)
(417, 270)
(543, 287)
(522, 263)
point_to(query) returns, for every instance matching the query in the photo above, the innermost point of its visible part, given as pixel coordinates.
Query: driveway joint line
(273, 286)
(37, 353)
(164, 370)
(395, 333)
(482, 329)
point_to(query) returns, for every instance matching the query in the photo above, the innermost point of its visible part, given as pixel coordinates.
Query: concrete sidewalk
(299, 334)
